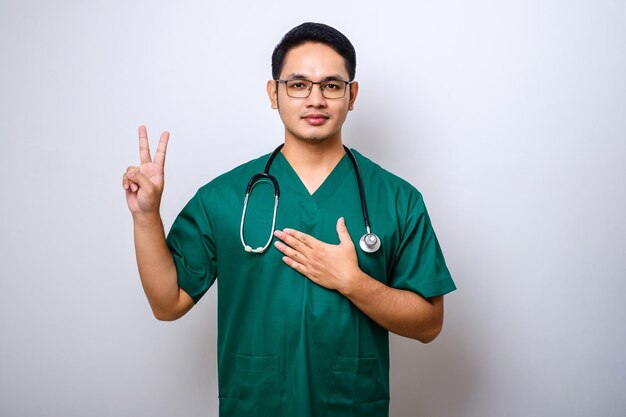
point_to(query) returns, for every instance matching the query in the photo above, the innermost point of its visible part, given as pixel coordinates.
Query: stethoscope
(369, 242)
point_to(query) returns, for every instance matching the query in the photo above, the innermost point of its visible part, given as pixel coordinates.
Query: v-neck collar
(328, 187)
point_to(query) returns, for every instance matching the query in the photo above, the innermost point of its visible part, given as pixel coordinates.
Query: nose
(315, 98)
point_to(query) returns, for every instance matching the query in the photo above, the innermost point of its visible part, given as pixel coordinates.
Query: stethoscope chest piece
(369, 243)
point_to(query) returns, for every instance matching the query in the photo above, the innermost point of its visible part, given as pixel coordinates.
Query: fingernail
(131, 174)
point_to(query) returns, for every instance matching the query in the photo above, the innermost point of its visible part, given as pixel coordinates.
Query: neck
(313, 161)
(313, 155)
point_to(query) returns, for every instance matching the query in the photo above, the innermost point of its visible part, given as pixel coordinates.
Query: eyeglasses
(331, 89)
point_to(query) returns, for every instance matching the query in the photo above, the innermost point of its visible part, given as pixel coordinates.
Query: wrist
(353, 282)
(147, 219)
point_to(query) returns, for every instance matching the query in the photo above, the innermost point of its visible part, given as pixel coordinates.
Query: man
(303, 324)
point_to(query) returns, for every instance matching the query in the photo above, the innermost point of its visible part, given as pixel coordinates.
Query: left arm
(336, 267)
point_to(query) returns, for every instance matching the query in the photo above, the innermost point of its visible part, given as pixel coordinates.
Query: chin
(314, 140)
(314, 137)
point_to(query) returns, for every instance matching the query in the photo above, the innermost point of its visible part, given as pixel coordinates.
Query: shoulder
(234, 180)
(374, 175)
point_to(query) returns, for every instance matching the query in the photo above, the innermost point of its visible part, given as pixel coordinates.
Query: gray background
(509, 116)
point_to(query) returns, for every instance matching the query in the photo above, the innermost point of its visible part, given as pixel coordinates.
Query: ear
(272, 93)
(354, 91)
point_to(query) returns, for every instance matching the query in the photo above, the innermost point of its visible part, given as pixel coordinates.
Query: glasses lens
(333, 89)
(298, 88)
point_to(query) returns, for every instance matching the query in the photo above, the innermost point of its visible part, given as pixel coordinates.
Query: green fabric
(286, 346)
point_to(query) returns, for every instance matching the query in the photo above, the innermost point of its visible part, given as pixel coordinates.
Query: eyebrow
(333, 77)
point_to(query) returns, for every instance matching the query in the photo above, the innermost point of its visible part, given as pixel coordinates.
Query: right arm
(143, 185)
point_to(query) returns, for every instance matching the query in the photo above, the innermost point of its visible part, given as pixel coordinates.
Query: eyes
(331, 85)
(306, 85)
(301, 88)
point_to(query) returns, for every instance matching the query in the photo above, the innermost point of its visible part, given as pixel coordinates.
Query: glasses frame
(348, 84)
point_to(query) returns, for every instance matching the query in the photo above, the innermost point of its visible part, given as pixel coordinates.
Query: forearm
(157, 269)
(399, 311)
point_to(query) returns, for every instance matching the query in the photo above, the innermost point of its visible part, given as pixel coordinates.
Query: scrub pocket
(258, 386)
(356, 388)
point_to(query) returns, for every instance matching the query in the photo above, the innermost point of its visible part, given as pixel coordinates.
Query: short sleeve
(191, 242)
(419, 263)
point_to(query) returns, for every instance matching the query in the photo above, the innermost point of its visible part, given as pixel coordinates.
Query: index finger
(144, 146)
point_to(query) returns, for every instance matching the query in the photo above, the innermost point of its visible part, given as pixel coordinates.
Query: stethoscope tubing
(359, 180)
(369, 242)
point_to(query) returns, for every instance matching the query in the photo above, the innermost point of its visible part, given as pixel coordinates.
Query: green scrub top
(287, 346)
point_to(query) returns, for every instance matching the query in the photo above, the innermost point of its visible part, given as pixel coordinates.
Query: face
(315, 118)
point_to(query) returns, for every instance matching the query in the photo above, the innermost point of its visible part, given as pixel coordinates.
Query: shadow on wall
(434, 380)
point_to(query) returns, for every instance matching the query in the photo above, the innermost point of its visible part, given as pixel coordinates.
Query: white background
(509, 116)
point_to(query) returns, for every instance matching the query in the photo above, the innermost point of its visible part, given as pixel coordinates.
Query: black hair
(314, 32)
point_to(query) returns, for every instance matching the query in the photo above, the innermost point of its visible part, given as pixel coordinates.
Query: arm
(400, 311)
(144, 187)
(336, 267)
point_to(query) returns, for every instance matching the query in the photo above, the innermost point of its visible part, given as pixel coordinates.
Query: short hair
(314, 32)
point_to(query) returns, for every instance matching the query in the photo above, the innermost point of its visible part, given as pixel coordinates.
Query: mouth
(315, 119)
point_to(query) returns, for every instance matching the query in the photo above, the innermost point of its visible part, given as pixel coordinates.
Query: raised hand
(144, 183)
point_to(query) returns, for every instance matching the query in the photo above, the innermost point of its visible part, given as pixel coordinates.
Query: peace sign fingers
(144, 183)
(144, 148)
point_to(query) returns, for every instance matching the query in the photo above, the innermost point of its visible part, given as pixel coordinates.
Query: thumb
(342, 232)
(140, 179)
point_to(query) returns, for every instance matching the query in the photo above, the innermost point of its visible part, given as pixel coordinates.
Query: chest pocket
(356, 388)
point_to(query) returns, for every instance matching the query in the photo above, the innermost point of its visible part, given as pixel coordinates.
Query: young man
(303, 324)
